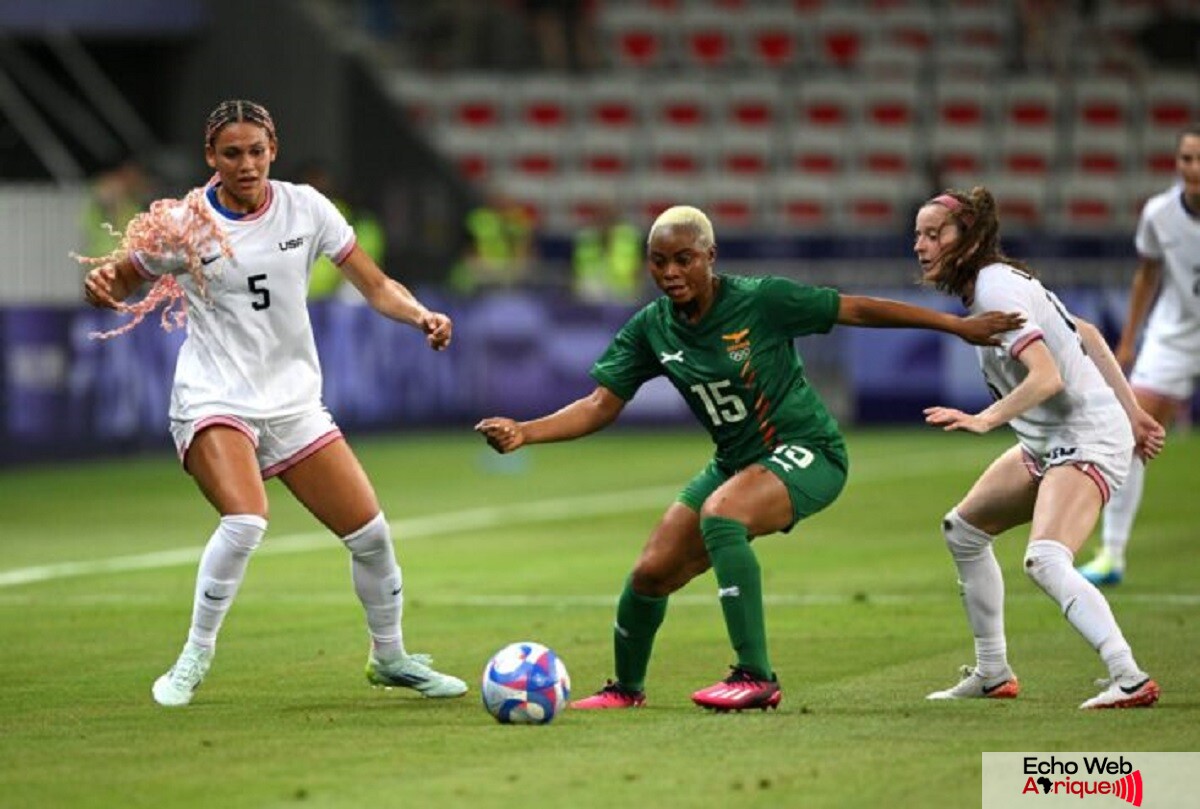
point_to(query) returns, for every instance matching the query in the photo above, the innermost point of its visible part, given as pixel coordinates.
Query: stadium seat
(1089, 204)
(421, 97)
(534, 153)
(891, 103)
(968, 150)
(1022, 200)
(584, 197)
(878, 204)
(680, 154)
(750, 103)
(544, 102)
(650, 193)
(1032, 151)
(1139, 187)
(734, 203)
(829, 103)
(1172, 100)
(638, 37)
(963, 104)
(796, 203)
(889, 152)
(475, 154)
(840, 33)
(708, 38)
(909, 26)
(609, 153)
(476, 101)
(542, 200)
(772, 38)
(1030, 103)
(744, 152)
(1102, 102)
(1103, 151)
(679, 104)
(611, 101)
(887, 60)
(823, 153)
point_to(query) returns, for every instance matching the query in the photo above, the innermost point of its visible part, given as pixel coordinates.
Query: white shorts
(1107, 470)
(1165, 370)
(278, 443)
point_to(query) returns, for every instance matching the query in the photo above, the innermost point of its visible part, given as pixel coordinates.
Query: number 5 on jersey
(256, 287)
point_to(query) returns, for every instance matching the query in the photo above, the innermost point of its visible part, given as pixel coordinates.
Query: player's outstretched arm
(392, 299)
(1042, 382)
(981, 329)
(593, 412)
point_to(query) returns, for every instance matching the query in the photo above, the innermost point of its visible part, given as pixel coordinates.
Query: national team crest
(738, 346)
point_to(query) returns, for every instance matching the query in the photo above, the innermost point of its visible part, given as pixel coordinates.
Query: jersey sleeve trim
(603, 381)
(141, 267)
(1025, 342)
(341, 255)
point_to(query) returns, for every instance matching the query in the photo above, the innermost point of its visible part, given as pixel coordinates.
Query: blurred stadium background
(809, 129)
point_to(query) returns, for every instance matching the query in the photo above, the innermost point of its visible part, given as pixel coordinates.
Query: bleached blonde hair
(688, 217)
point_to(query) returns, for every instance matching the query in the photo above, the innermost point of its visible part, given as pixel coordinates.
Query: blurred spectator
(500, 251)
(116, 196)
(565, 33)
(326, 280)
(608, 258)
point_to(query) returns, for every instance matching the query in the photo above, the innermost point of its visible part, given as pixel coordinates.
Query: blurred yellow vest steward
(607, 263)
(326, 278)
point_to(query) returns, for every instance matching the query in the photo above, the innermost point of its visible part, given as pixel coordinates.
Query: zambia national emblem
(738, 346)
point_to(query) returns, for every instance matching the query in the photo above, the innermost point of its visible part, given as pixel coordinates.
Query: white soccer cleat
(176, 687)
(973, 685)
(413, 671)
(1137, 692)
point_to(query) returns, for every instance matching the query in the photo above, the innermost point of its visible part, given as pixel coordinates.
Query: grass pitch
(96, 573)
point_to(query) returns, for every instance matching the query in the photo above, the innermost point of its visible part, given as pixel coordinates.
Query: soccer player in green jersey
(725, 343)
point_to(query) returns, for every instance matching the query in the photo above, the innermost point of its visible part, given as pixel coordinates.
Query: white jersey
(1170, 233)
(1086, 412)
(250, 350)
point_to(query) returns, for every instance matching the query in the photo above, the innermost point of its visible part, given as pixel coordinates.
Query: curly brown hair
(978, 245)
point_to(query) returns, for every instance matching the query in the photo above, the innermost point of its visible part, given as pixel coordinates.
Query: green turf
(863, 616)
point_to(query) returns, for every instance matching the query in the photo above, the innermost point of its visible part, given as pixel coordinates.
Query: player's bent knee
(964, 540)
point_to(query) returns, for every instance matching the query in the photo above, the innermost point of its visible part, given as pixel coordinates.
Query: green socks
(739, 580)
(638, 620)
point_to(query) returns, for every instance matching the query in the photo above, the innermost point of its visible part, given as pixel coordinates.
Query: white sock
(982, 587)
(222, 567)
(1050, 565)
(379, 584)
(1121, 512)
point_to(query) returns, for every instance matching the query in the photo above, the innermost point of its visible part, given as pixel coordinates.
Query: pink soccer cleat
(739, 691)
(612, 695)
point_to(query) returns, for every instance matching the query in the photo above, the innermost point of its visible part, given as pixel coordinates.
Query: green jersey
(737, 368)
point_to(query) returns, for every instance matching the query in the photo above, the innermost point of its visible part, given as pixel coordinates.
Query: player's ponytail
(171, 227)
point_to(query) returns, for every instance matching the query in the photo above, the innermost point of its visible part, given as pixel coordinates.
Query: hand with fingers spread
(950, 419)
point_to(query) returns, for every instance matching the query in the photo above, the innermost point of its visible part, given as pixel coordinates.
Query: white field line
(488, 518)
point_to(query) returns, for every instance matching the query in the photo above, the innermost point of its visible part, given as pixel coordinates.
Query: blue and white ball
(525, 684)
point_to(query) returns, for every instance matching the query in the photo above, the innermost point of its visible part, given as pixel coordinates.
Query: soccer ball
(525, 684)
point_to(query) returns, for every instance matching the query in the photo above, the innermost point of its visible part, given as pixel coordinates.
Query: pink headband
(951, 203)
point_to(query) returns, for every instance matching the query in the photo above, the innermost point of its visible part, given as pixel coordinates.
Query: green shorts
(814, 478)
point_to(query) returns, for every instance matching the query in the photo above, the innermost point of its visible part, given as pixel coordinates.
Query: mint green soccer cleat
(413, 671)
(1101, 571)
(175, 688)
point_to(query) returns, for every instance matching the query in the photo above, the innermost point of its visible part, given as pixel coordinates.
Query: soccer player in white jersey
(1164, 377)
(1077, 422)
(246, 403)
